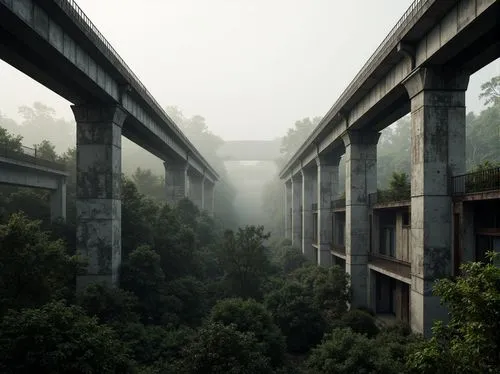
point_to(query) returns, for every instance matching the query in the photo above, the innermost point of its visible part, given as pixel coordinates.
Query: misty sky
(250, 67)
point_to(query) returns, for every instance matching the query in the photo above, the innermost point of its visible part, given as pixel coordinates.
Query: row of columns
(98, 202)
(437, 152)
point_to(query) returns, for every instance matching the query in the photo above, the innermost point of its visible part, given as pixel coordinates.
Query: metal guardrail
(479, 181)
(72, 8)
(30, 155)
(389, 196)
(387, 44)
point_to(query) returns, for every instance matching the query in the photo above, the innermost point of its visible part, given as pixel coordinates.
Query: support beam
(296, 211)
(208, 203)
(176, 187)
(196, 189)
(58, 201)
(327, 186)
(308, 198)
(360, 181)
(438, 152)
(98, 193)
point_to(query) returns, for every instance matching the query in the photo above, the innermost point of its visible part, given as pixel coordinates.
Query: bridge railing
(475, 182)
(72, 8)
(30, 155)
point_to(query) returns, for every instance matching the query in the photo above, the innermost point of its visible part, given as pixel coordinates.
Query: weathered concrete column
(308, 198)
(438, 152)
(208, 196)
(296, 211)
(176, 187)
(327, 186)
(58, 201)
(360, 181)
(196, 190)
(288, 209)
(98, 192)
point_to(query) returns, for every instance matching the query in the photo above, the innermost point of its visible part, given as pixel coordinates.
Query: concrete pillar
(196, 190)
(438, 152)
(98, 192)
(58, 201)
(288, 209)
(327, 189)
(360, 181)
(296, 211)
(208, 196)
(176, 187)
(308, 194)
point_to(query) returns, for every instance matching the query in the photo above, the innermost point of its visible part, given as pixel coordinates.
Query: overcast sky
(250, 67)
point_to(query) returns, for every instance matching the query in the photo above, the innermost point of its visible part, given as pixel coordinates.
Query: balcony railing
(388, 196)
(391, 264)
(30, 155)
(479, 181)
(338, 204)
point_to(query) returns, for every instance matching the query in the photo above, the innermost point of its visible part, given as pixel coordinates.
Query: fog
(250, 68)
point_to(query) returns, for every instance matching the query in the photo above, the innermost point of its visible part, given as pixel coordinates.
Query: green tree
(470, 342)
(251, 316)
(244, 259)
(219, 348)
(34, 268)
(149, 184)
(142, 275)
(294, 312)
(491, 91)
(10, 142)
(46, 150)
(345, 352)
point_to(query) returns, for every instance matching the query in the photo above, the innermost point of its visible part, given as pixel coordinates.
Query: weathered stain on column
(296, 211)
(360, 181)
(327, 186)
(175, 181)
(438, 152)
(98, 193)
(58, 201)
(308, 198)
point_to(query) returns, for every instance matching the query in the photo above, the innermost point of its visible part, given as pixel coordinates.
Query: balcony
(390, 265)
(389, 198)
(338, 205)
(29, 155)
(479, 182)
(338, 250)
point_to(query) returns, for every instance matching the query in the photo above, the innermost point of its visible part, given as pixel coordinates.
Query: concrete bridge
(22, 167)
(422, 67)
(54, 42)
(250, 150)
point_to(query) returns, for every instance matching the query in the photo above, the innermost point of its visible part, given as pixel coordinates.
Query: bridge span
(422, 67)
(55, 43)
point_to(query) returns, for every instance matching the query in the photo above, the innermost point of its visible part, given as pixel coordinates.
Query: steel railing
(72, 8)
(30, 155)
(389, 196)
(478, 181)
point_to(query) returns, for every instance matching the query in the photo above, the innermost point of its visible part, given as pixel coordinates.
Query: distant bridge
(250, 150)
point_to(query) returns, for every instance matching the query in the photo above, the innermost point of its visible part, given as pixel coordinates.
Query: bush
(218, 348)
(59, 339)
(360, 322)
(345, 352)
(251, 316)
(294, 312)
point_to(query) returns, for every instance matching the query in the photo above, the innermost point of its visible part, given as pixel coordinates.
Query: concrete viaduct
(21, 167)
(422, 67)
(54, 42)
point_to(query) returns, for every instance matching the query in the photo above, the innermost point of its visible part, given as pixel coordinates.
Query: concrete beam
(98, 193)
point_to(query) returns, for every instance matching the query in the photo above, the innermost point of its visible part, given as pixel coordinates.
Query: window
(388, 241)
(341, 234)
(406, 218)
(315, 228)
